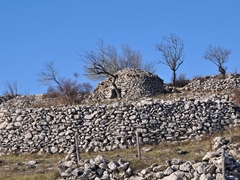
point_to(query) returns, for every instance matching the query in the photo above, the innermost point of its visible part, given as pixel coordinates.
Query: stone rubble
(214, 83)
(208, 169)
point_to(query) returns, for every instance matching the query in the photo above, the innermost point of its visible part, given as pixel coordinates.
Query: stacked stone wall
(109, 126)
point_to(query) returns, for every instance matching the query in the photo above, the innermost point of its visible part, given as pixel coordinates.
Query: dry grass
(158, 154)
(236, 95)
(182, 94)
(191, 150)
(13, 167)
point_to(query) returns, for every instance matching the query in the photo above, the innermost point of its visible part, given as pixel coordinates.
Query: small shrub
(201, 78)
(181, 81)
(65, 90)
(69, 92)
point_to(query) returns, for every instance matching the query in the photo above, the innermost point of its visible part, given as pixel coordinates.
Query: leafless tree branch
(218, 55)
(172, 49)
(104, 61)
(68, 89)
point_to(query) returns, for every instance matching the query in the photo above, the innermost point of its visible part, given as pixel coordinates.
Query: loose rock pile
(133, 84)
(214, 83)
(109, 126)
(211, 166)
(22, 101)
(97, 168)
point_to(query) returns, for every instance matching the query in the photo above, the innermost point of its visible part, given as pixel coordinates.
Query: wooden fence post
(77, 150)
(223, 164)
(138, 146)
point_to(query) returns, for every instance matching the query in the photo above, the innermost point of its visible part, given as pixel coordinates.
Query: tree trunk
(222, 71)
(138, 146)
(174, 78)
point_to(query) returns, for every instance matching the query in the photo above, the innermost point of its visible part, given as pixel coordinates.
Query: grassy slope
(47, 164)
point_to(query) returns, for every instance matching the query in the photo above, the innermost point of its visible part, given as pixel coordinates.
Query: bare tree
(49, 74)
(218, 55)
(133, 59)
(130, 58)
(68, 89)
(104, 62)
(172, 53)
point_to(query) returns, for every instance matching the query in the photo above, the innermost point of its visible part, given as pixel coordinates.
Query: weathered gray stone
(31, 163)
(54, 149)
(28, 135)
(199, 167)
(99, 159)
(123, 167)
(185, 166)
(3, 125)
(168, 171)
(205, 177)
(175, 176)
(113, 165)
(67, 164)
(105, 176)
(159, 168)
(176, 161)
(160, 175)
(209, 155)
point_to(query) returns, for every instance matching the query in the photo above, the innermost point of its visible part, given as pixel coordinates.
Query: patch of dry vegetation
(15, 167)
(236, 96)
(191, 150)
(157, 154)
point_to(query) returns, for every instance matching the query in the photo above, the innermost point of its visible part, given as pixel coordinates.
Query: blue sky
(33, 32)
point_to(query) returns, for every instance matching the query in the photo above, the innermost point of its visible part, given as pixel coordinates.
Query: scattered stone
(145, 149)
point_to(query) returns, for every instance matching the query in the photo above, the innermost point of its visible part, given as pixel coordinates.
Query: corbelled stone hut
(132, 83)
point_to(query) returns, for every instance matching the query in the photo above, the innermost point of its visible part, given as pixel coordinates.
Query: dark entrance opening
(114, 94)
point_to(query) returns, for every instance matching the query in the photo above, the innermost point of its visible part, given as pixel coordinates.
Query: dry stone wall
(105, 127)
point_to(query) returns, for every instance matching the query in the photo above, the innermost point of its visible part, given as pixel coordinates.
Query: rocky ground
(101, 167)
(225, 155)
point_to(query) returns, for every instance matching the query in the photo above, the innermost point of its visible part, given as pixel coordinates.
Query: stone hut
(133, 84)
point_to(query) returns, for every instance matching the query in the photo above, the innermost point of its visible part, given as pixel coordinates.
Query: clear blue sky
(32, 32)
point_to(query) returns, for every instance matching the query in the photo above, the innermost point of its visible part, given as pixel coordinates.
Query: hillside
(202, 108)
